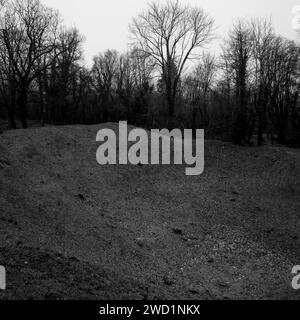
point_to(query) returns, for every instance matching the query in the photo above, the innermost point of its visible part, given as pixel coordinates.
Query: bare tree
(198, 84)
(8, 87)
(262, 36)
(237, 56)
(104, 71)
(58, 82)
(142, 68)
(170, 33)
(284, 86)
(29, 32)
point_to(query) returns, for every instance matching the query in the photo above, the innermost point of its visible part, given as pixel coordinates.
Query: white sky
(104, 23)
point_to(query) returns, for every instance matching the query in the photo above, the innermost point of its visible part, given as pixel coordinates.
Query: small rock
(140, 242)
(269, 231)
(177, 231)
(222, 284)
(167, 281)
(81, 197)
(194, 290)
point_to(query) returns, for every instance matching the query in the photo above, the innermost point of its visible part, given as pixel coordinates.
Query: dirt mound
(145, 232)
(48, 275)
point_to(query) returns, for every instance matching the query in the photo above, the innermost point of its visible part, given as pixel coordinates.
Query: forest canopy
(246, 94)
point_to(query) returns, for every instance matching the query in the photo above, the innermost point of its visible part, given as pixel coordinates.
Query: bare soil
(71, 229)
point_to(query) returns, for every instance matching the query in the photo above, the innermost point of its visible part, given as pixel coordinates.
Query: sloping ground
(70, 228)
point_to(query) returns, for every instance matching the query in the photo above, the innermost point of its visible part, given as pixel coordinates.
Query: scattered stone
(194, 290)
(177, 231)
(269, 231)
(81, 197)
(144, 296)
(193, 237)
(74, 259)
(4, 163)
(140, 242)
(222, 284)
(167, 281)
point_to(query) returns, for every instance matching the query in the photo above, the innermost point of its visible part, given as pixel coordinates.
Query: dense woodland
(248, 94)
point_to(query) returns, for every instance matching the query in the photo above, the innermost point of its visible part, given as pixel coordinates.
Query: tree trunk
(281, 134)
(11, 117)
(260, 131)
(11, 106)
(171, 105)
(194, 119)
(261, 122)
(42, 101)
(23, 106)
(171, 109)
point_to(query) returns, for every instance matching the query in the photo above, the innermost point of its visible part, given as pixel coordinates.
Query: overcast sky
(104, 23)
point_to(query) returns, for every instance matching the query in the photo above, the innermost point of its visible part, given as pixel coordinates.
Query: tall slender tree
(171, 34)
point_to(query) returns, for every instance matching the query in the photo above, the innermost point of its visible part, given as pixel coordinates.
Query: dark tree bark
(23, 99)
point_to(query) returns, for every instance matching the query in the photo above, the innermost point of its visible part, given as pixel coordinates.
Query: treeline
(247, 94)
